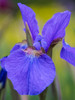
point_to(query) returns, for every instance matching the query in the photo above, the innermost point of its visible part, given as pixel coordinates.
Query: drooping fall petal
(68, 53)
(30, 74)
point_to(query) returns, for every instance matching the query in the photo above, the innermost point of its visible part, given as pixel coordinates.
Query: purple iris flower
(29, 68)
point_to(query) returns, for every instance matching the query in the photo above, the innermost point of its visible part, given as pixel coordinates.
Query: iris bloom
(29, 68)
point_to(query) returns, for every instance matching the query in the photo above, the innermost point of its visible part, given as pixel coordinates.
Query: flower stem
(54, 91)
(3, 92)
(43, 94)
(55, 85)
(58, 88)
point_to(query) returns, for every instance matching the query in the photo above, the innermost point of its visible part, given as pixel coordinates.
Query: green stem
(42, 96)
(3, 92)
(49, 52)
(54, 91)
(55, 85)
(58, 88)
(0, 95)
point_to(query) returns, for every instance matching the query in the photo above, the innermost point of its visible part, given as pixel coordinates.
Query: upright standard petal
(55, 27)
(30, 74)
(68, 53)
(28, 16)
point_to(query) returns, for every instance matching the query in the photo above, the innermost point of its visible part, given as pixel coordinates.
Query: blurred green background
(11, 32)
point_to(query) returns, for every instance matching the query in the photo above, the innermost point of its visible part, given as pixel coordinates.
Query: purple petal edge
(55, 27)
(18, 46)
(28, 16)
(30, 75)
(68, 53)
(2, 61)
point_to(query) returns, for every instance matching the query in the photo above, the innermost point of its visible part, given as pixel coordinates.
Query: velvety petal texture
(55, 27)
(68, 53)
(28, 16)
(30, 74)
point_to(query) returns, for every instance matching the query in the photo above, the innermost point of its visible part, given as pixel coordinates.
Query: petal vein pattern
(30, 75)
(55, 27)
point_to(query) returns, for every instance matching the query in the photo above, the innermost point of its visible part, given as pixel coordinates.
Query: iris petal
(16, 47)
(68, 53)
(43, 74)
(40, 42)
(55, 27)
(43, 44)
(38, 38)
(37, 45)
(30, 75)
(19, 46)
(2, 61)
(28, 16)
